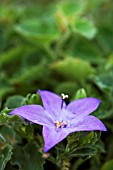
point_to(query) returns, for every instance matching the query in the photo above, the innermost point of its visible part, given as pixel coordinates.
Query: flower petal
(52, 137)
(89, 123)
(33, 113)
(83, 107)
(66, 115)
(51, 102)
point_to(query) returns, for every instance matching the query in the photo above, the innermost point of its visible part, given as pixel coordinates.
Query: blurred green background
(61, 46)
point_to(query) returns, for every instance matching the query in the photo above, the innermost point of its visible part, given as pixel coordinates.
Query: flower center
(60, 124)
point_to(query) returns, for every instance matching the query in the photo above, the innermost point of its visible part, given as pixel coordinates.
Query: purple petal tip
(45, 150)
(104, 128)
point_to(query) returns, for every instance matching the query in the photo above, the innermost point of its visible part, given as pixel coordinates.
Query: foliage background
(62, 46)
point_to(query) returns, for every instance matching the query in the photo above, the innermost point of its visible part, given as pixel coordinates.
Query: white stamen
(64, 96)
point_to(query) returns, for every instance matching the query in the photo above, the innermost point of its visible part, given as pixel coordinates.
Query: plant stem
(65, 165)
(62, 40)
(49, 51)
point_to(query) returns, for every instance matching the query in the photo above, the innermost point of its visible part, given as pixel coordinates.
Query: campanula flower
(59, 120)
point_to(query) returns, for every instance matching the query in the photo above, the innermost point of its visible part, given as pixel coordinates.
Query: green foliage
(38, 31)
(66, 47)
(73, 69)
(108, 165)
(84, 145)
(85, 28)
(72, 8)
(80, 94)
(66, 87)
(26, 158)
(29, 75)
(9, 135)
(12, 55)
(6, 119)
(5, 155)
(14, 101)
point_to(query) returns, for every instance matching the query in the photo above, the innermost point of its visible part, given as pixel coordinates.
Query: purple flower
(59, 120)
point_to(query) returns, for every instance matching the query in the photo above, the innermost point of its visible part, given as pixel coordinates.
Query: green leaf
(67, 12)
(73, 69)
(82, 144)
(11, 55)
(5, 156)
(103, 114)
(26, 132)
(100, 146)
(104, 81)
(9, 13)
(29, 75)
(31, 99)
(81, 47)
(85, 28)
(81, 93)
(83, 139)
(84, 152)
(38, 31)
(27, 157)
(108, 165)
(6, 119)
(111, 59)
(8, 134)
(72, 8)
(14, 101)
(18, 124)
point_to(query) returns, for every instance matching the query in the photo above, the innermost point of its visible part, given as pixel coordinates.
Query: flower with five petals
(59, 120)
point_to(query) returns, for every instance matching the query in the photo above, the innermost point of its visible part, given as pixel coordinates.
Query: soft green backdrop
(65, 47)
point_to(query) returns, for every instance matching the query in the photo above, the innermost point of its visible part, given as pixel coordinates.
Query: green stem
(51, 159)
(54, 161)
(49, 52)
(78, 163)
(62, 40)
(65, 165)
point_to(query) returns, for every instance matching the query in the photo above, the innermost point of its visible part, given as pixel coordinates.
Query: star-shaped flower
(59, 120)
